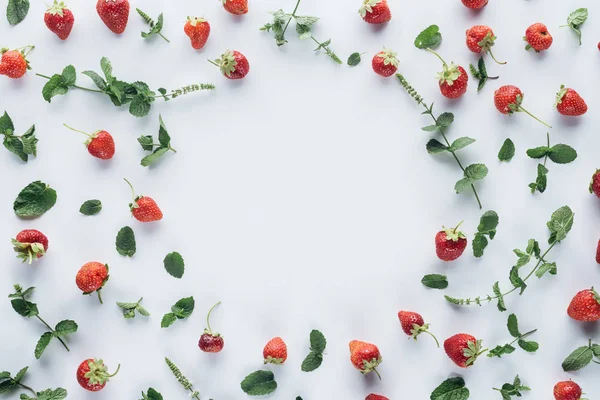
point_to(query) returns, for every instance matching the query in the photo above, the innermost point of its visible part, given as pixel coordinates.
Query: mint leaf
(21, 374)
(499, 296)
(312, 361)
(430, 37)
(354, 59)
(516, 280)
(163, 135)
(59, 84)
(318, 342)
(451, 389)
(538, 152)
(528, 346)
(16, 11)
(473, 173)
(91, 207)
(65, 327)
(461, 143)
(444, 120)
(152, 394)
(44, 341)
(435, 281)
(259, 383)
(578, 359)
(24, 308)
(562, 154)
(146, 142)
(434, 146)
(512, 389)
(501, 350)
(487, 227)
(507, 151)
(513, 326)
(15, 146)
(49, 394)
(576, 19)
(546, 267)
(181, 310)
(168, 320)
(97, 79)
(152, 158)
(174, 264)
(125, 242)
(560, 224)
(34, 200)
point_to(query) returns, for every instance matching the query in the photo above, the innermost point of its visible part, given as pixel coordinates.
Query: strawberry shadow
(569, 122)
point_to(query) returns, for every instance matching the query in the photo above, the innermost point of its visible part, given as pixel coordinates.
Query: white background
(302, 197)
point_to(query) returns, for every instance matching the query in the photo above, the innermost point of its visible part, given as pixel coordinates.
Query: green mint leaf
(528, 346)
(576, 19)
(16, 11)
(546, 267)
(34, 200)
(516, 280)
(434, 146)
(168, 320)
(140, 106)
(163, 135)
(541, 181)
(24, 308)
(431, 128)
(488, 222)
(533, 247)
(578, 359)
(125, 242)
(146, 142)
(472, 173)
(44, 341)
(499, 296)
(49, 394)
(435, 281)
(481, 84)
(430, 37)
(445, 119)
(142, 311)
(312, 361)
(6, 125)
(461, 143)
(97, 79)
(4, 375)
(152, 158)
(30, 141)
(20, 375)
(560, 224)
(524, 258)
(152, 394)
(174, 264)
(91, 207)
(538, 152)
(318, 342)
(501, 350)
(507, 151)
(54, 87)
(65, 327)
(513, 326)
(451, 389)
(562, 154)
(106, 68)
(15, 146)
(127, 306)
(259, 383)
(184, 307)
(354, 59)
(479, 244)
(68, 76)
(482, 69)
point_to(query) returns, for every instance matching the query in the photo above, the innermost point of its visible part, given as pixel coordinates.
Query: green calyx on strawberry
(195, 20)
(226, 63)
(371, 366)
(98, 373)
(28, 251)
(449, 74)
(472, 351)
(594, 178)
(389, 57)
(516, 106)
(367, 7)
(559, 96)
(454, 234)
(487, 42)
(56, 8)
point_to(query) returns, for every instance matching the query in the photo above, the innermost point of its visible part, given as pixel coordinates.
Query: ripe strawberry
(114, 14)
(569, 102)
(375, 11)
(30, 244)
(481, 39)
(463, 349)
(475, 4)
(365, 357)
(275, 351)
(59, 19)
(92, 277)
(413, 325)
(538, 37)
(508, 100)
(567, 390)
(93, 375)
(598, 252)
(376, 397)
(211, 342)
(237, 7)
(233, 64)
(14, 63)
(100, 144)
(595, 183)
(450, 244)
(453, 79)
(385, 63)
(198, 30)
(144, 208)
(585, 306)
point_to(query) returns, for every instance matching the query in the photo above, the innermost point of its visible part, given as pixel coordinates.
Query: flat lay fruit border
(450, 243)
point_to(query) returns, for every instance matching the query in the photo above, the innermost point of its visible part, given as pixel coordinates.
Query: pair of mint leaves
(8, 383)
(129, 309)
(581, 357)
(22, 146)
(180, 310)
(455, 389)
(157, 149)
(513, 329)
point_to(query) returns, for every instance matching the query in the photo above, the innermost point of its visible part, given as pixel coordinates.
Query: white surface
(302, 197)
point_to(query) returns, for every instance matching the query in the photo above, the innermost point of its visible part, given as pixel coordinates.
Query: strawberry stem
(213, 63)
(434, 338)
(437, 55)
(291, 17)
(116, 372)
(533, 116)
(494, 58)
(99, 295)
(457, 226)
(208, 316)
(377, 373)
(132, 190)
(77, 130)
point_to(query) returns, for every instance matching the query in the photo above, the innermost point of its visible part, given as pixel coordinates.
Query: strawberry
(233, 64)
(463, 349)
(30, 244)
(452, 80)
(92, 277)
(93, 375)
(569, 102)
(567, 390)
(59, 19)
(275, 351)
(413, 325)
(236, 7)
(450, 244)
(114, 14)
(598, 252)
(595, 183)
(481, 39)
(376, 397)
(475, 4)
(144, 208)
(585, 306)
(198, 30)
(211, 342)
(14, 63)
(375, 11)
(538, 37)
(100, 144)
(385, 63)
(508, 100)
(365, 357)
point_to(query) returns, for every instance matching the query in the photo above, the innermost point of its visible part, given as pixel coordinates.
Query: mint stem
(28, 388)
(161, 35)
(51, 330)
(292, 17)
(533, 116)
(437, 55)
(75, 86)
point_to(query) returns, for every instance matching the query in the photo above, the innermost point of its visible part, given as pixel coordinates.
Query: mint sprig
(155, 27)
(515, 388)
(575, 20)
(129, 309)
(314, 359)
(8, 383)
(20, 145)
(187, 385)
(513, 329)
(581, 357)
(559, 153)
(480, 73)
(180, 310)
(486, 229)
(151, 394)
(157, 149)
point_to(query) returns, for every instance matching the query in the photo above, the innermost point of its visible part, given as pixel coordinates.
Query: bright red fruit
(450, 244)
(481, 39)
(376, 397)
(595, 183)
(93, 375)
(30, 245)
(598, 252)
(413, 325)
(569, 102)
(59, 19)
(365, 357)
(375, 11)
(567, 390)
(211, 342)
(275, 351)
(463, 349)
(452, 80)
(100, 144)
(508, 100)
(144, 208)
(114, 14)
(233, 64)
(475, 4)
(385, 63)
(585, 306)
(198, 30)
(538, 37)
(236, 7)
(92, 277)
(14, 63)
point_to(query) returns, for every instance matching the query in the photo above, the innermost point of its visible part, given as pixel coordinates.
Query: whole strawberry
(93, 375)
(376, 397)
(463, 349)
(567, 390)
(236, 7)
(275, 351)
(14, 63)
(92, 277)
(144, 208)
(100, 144)
(198, 30)
(481, 39)
(413, 325)
(59, 19)
(598, 252)
(385, 63)
(365, 357)
(450, 243)
(233, 64)
(475, 4)
(211, 342)
(452, 80)
(595, 183)
(569, 102)
(508, 100)
(114, 14)
(375, 11)
(585, 306)
(30, 245)
(538, 37)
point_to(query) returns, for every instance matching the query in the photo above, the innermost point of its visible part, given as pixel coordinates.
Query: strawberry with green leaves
(233, 64)
(59, 19)
(93, 375)
(595, 183)
(275, 351)
(413, 325)
(538, 38)
(236, 7)
(508, 99)
(585, 306)
(567, 390)
(92, 277)
(14, 63)
(569, 102)
(385, 63)
(100, 144)
(481, 39)
(450, 243)
(211, 342)
(453, 79)
(144, 208)
(463, 349)
(30, 244)
(365, 357)
(375, 11)
(198, 30)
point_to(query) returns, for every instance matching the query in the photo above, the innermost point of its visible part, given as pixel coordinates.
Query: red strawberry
(144, 208)
(211, 342)
(237, 7)
(585, 306)
(233, 64)
(59, 19)
(376, 397)
(453, 79)
(30, 244)
(385, 63)
(14, 63)
(463, 349)
(567, 390)
(508, 100)
(100, 144)
(114, 14)
(598, 252)
(569, 102)
(198, 30)
(365, 357)
(481, 39)
(413, 325)
(538, 37)
(475, 4)
(92, 277)
(595, 183)
(375, 11)
(450, 244)
(275, 351)
(93, 375)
